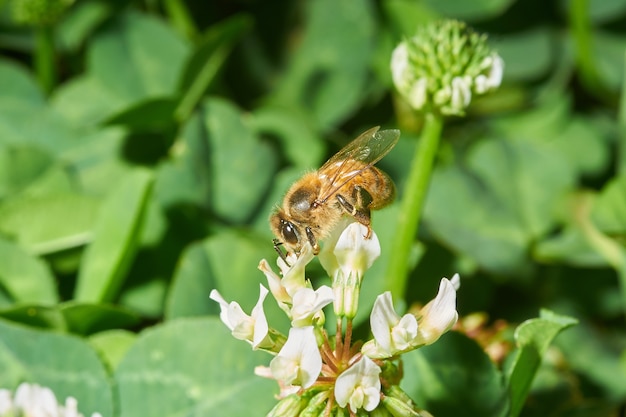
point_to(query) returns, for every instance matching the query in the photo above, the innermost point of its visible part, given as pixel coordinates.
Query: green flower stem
(44, 58)
(412, 204)
(181, 18)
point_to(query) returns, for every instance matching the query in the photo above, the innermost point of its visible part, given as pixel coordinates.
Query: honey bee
(347, 184)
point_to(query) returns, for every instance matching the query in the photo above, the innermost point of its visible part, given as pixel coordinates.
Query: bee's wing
(355, 157)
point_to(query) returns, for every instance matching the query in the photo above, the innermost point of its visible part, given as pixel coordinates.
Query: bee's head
(286, 231)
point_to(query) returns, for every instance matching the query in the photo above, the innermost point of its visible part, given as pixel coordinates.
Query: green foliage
(143, 146)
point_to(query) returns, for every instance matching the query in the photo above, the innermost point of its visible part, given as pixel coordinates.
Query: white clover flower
(252, 328)
(440, 67)
(359, 386)
(308, 303)
(346, 261)
(299, 361)
(394, 334)
(32, 400)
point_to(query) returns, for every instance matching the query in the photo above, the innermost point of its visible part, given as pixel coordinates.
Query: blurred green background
(143, 145)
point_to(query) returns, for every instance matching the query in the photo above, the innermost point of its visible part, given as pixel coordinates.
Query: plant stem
(44, 58)
(412, 204)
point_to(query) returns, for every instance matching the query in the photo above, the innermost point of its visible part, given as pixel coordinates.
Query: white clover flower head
(394, 334)
(308, 303)
(6, 401)
(299, 361)
(346, 260)
(443, 65)
(359, 386)
(252, 328)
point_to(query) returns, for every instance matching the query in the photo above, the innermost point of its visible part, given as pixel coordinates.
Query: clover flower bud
(290, 406)
(443, 65)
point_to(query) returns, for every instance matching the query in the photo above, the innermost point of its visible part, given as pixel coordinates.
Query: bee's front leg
(360, 209)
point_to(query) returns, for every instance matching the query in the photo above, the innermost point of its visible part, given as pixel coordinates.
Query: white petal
(355, 254)
(382, 320)
(261, 327)
(359, 385)
(293, 277)
(299, 361)
(439, 315)
(216, 296)
(276, 287)
(400, 65)
(417, 94)
(306, 303)
(6, 401)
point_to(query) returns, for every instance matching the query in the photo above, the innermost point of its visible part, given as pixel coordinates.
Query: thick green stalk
(44, 58)
(412, 204)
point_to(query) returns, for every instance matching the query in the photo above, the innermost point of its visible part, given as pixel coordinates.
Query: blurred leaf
(571, 247)
(86, 319)
(300, 143)
(491, 207)
(227, 262)
(454, 377)
(45, 317)
(20, 166)
(146, 298)
(149, 115)
(27, 279)
(207, 60)
(609, 208)
(116, 235)
(515, 47)
(136, 57)
(533, 338)
(80, 21)
(406, 16)
(112, 345)
(40, 224)
(608, 51)
(18, 86)
(241, 166)
(65, 364)
(322, 77)
(470, 10)
(160, 375)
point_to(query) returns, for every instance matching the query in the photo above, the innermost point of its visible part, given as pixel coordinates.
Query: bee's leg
(312, 240)
(360, 210)
(279, 250)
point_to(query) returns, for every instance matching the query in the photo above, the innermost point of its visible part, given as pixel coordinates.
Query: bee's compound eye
(289, 232)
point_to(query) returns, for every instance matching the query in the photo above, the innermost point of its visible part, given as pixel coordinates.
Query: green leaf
(454, 377)
(532, 338)
(86, 319)
(515, 47)
(18, 86)
(116, 236)
(322, 77)
(27, 279)
(609, 208)
(470, 10)
(112, 345)
(227, 262)
(192, 367)
(149, 115)
(65, 364)
(20, 166)
(40, 224)
(44, 317)
(207, 60)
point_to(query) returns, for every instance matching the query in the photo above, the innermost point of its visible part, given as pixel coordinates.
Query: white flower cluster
(318, 373)
(32, 400)
(440, 68)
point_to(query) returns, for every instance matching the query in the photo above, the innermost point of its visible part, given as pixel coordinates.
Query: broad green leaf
(515, 47)
(20, 166)
(18, 87)
(44, 317)
(470, 10)
(146, 298)
(329, 71)
(532, 338)
(227, 262)
(116, 236)
(137, 57)
(40, 224)
(112, 345)
(406, 16)
(80, 21)
(65, 364)
(207, 60)
(26, 278)
(241, 165)
(300, 143)
(86, 319)
(609, 208)
(454, 377)
(148, 115)
(192, 367)
(609, 57)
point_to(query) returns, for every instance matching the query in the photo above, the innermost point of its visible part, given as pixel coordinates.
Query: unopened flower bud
(399, 408)
(443, 65)
(290, 406)
(316, 405)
